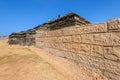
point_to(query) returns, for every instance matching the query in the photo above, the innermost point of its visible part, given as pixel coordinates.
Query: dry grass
(20, 63)
(30, 63)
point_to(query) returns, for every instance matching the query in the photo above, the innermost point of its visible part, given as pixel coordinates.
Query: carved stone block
(76, 38)
(114, 24)
(75, 47)
(112, 53)
(111, 66)
(67, 39)
(86, 38)
(95, 62)
(112, 39)
(57, 33)
(105, 39)
(98, 28)
(67, 31)
(97, 51)
(84, 49)
(92, 28)
(99, 39)
(67, 46)
(62, 46)
(111, 75)
(59, 39)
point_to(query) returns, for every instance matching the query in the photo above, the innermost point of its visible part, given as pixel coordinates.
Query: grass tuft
(35, 57)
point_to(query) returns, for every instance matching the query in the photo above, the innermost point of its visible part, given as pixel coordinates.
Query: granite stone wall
(96, 46)
(26, 38)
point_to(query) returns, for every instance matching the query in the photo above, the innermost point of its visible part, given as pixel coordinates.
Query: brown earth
(30, 63)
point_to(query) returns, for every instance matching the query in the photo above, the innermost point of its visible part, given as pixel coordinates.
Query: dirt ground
(30, 63)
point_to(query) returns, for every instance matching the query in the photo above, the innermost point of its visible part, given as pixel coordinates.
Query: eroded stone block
(84, 49)
(112, 53)
(112, 39)
(59, 39)
(66, 39)
(67, 31)
(65, 46)
(112, 66)
(95, 62)
(87, 38)
(99, 39)
(111, 75)
(75, 47)
(114, 24)
(92, 28)
(96, 51)
(100, 27)
(76, 38)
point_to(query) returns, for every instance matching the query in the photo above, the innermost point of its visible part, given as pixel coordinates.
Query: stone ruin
(28, 37)
(94, 46)
(23, 37)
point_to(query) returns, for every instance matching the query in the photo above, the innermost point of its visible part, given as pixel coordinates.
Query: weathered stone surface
(96, 28)
(97, 51)
(114, 24)
(112, 53)
(101, 27)
(99, 39)
(112, 39)
(75, 47)
(39, 44)
(111, 66)
(84, 49)
(67, 39)
(103, 39)
(87, 38)
(68, 31)
(23, 38)
(111, 75)
(65, 46)
(95, 62)
(54, 33)
(91, 45)
(76, 38)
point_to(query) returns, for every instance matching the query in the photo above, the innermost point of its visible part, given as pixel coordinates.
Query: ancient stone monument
(23, 37)
(95, 46)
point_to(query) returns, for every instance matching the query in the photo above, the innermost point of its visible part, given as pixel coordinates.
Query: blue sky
(18, 15)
